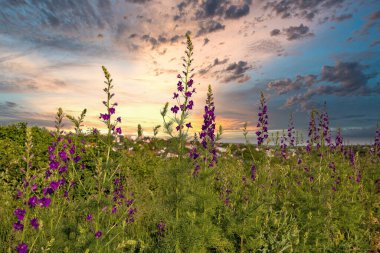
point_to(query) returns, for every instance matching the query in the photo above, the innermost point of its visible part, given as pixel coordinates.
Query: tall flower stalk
(108, 115)
(339, 140)
(262, 124)
(291, 133)
(313, 132)
(324, 128)
(183, 100)
(376, 145)
(207, 135)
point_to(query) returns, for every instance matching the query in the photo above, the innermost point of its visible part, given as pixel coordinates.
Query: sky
(300, 53)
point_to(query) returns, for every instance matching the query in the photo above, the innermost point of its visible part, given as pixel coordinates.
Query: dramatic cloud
(303, 9)
(349, 79)
(297, 32)
(209, 27)
(222, 9)
(287, 85)
(236, 72)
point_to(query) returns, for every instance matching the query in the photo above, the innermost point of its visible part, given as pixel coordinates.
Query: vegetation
(88, 192)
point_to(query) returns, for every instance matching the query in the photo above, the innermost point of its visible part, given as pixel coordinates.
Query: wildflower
(18, 226)
(47, 191)
(34, 223)
(98, 234)
(188, 125)
(62, 169)
(105, 117)
(313, 132)
(262, 133)
(188, 94)
(253, 172)
(190, 105)
(112, 110)
(174, 109)
(62, 154)
(291, 136)
(45, 202)
(32, 202)
(324, 126)
(161, 228)
(207, 135)
(180, 86)
(77, 159)
(175, 95)
(53, 165)
(118, 119)
(22, 248)
(118, 130)
(19, 213)
(89, 217)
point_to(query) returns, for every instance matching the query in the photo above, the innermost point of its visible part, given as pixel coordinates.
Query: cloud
(212, 9)
(236, 72)
(235, 12)
(266, 46)
(205, 41)
(297, 32)
(275, 32)
(138, 1)
(348, 79)
(216, 62)
(375, 43)
(373, 20)
(209, 27)
(304, 9)
(341, 17)
(287, 85)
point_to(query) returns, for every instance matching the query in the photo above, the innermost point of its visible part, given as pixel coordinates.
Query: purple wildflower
(161, 228)
(62, 154)
(207, 136)
(118, 130)
(262, 124)
(19, 213)
(32, 202)
(253, 172)
(22, 248)
(18, 226)
(98, 234)
(34, 223)
(45, 202)
(174, 109)
(77, 159)
(89, 217)
(291, 137)
(112, 110)
(313, 132)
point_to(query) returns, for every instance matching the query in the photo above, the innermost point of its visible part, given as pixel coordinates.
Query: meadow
(83, 191)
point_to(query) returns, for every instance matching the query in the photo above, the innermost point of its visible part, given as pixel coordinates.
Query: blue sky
(300, 53)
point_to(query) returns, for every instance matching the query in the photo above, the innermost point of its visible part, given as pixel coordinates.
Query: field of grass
(89, 192)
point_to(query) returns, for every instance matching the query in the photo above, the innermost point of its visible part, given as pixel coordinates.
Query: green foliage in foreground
(289, 207)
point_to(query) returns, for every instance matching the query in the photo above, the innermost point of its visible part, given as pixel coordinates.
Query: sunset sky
(300, 53)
